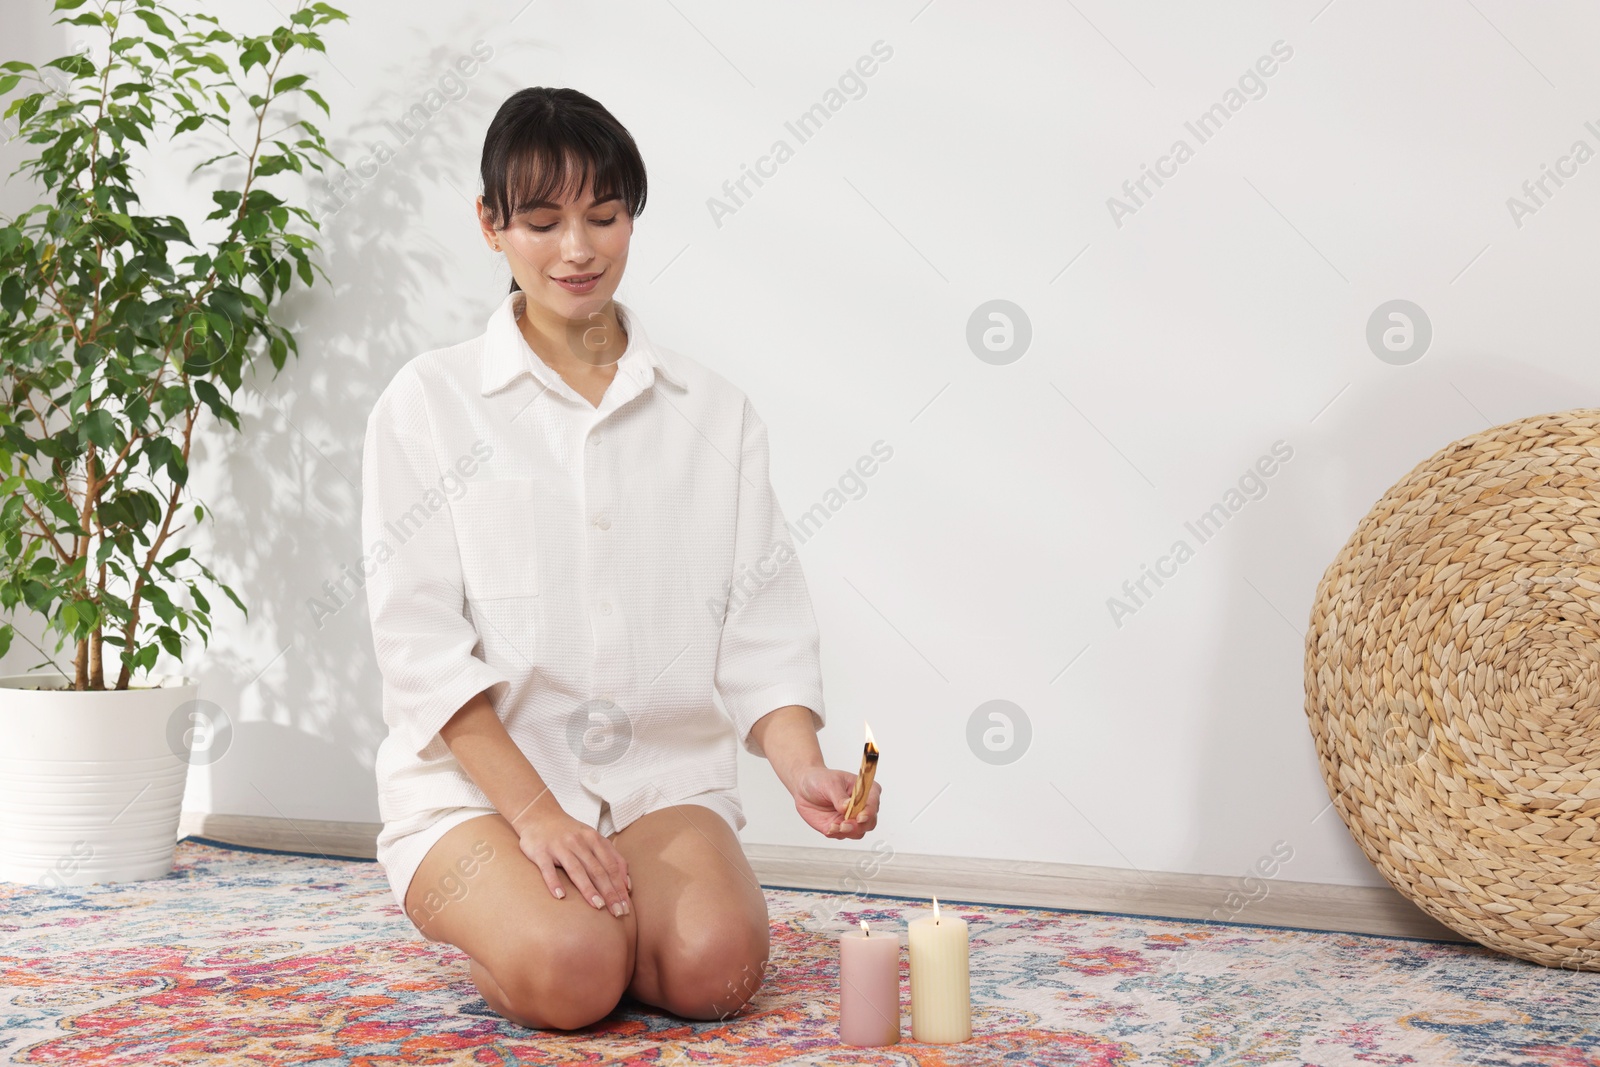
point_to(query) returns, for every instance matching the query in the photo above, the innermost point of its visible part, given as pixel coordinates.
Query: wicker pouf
(1453, 686)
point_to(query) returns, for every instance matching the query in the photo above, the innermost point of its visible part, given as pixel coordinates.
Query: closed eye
(595, 222)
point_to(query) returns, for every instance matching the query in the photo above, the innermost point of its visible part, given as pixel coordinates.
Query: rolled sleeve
(426, 646)
(769, 655)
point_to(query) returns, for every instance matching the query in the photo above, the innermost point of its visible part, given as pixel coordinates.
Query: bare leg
(702, 917)
(538, 961)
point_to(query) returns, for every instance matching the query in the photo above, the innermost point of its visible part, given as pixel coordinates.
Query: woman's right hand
(552, 838)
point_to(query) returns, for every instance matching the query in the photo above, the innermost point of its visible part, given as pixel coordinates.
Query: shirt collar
(506, 354)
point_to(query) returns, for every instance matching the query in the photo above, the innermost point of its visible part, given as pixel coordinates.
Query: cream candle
(869, 987)
(941, 997)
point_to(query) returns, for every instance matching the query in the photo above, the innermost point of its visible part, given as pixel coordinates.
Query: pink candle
(869, 988)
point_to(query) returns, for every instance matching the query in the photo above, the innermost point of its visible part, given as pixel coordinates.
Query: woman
(577, 546)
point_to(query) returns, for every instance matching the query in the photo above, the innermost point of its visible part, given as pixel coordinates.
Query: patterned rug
(243, 956)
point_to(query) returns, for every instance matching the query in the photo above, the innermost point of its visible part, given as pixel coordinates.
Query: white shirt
(577, 562)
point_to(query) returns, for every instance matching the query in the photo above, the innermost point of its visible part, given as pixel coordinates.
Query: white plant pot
(91, 783)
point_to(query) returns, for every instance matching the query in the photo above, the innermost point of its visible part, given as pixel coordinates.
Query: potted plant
(120, 334)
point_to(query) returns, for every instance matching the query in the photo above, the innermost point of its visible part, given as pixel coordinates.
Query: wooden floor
(1309, 905)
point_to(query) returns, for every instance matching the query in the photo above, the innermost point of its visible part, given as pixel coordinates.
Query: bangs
(537, 177)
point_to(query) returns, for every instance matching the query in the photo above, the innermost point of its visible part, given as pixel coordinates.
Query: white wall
(1227, 313)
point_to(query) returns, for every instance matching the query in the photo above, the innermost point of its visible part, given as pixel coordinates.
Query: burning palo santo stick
(869, 768)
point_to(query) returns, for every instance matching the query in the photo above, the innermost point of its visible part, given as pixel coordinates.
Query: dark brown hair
(545, 144)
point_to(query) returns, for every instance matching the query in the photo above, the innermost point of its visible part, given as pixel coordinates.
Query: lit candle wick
(936, 909)
(864, 931)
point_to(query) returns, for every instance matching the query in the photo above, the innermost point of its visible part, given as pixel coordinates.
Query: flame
(935, 909)
(865, 932)
(870, 740)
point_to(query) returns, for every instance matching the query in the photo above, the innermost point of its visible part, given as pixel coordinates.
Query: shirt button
(591, 779)
(594, 439)
(603, 522)
(605, 607)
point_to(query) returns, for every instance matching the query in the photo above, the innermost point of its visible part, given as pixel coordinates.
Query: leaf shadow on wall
(287, 530)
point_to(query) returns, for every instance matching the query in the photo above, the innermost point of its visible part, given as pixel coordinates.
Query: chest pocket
(498, 539)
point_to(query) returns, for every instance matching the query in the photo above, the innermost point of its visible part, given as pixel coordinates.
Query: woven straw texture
(1453, 686)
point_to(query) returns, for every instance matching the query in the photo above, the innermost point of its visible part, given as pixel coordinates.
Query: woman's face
(568, 257)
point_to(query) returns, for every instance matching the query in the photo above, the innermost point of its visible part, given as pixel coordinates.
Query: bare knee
(714, 975)
(559, 979)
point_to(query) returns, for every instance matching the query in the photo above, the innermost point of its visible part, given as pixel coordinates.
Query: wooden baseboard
(1304, 905)
(333, 839)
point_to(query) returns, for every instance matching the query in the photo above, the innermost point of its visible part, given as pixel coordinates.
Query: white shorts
(400, 854)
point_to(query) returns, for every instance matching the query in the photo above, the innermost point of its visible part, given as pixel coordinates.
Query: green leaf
(174, 401)
(229, 302)
(87, 354)
(158, 600)
(156, 451)
(76, 65)
(151, 19)
(9, 82)
(27, 107)
(55, 503)
(213, 400)
(100, 426)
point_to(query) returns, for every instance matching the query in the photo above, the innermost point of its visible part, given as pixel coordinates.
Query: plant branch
(42, 652)
(49, 534)
(94, 159)
(150, 557)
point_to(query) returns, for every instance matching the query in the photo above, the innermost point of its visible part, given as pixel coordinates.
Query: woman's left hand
(821, 796)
